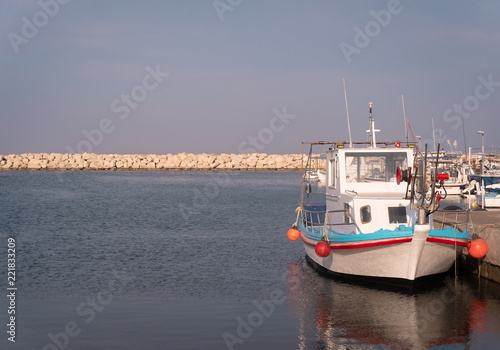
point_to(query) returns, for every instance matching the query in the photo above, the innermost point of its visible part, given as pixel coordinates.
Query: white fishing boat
(376, 216)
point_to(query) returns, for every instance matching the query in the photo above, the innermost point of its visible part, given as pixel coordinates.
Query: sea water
(200, 260)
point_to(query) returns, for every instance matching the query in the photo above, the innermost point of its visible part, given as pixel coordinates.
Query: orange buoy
(322, 249)
(293, 234)
(477, 248)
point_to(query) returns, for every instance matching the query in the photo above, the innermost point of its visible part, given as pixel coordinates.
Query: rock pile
(182, 161)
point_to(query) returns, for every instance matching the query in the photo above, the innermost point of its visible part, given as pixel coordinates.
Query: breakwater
(181, 161)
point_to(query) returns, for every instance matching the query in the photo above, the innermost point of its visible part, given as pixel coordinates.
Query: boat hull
(490, 200)
(405, 258)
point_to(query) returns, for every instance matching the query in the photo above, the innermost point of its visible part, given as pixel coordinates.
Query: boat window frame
(369, 213)
(332, 171)
(396, 215)
(347, 217)
(390, 161)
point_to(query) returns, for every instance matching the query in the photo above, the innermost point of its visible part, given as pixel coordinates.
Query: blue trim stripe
(336, 237)
(450, 233)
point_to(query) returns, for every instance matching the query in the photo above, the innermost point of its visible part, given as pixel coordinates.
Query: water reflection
(334, 314)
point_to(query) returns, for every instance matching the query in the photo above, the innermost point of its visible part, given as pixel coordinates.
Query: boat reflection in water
(334, 314)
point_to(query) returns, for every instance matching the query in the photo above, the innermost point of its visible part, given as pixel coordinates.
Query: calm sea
(200, 260)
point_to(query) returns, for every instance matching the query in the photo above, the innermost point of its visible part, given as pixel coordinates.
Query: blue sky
(223, 76)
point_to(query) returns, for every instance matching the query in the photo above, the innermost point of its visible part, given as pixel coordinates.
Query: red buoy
(477, 248)
(322, 249)
(293, 234)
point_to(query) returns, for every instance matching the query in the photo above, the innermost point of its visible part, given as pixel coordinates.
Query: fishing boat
(375, 217)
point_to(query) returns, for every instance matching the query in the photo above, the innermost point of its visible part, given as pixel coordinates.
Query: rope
(408, 121)
(298, 210)
(325, 230)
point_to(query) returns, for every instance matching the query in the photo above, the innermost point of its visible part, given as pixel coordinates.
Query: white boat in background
(457, 179)
(491, 199)
(321, 176)
(317, 171)
(375, 219)
(491, 190)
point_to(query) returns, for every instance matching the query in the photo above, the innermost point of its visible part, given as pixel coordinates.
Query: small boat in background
(491, 198)
(321, 176)
(491, 190)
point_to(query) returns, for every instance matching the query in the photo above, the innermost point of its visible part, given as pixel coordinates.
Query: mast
(347, 111)
(433, 135)
(404, 120)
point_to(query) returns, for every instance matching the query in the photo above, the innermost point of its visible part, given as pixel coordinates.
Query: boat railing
(445, 222)
(317, 220)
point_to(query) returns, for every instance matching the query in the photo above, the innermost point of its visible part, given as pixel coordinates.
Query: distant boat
(457, 178)
(491, 199)
(321, 176)
(375, 219)
(491, 190)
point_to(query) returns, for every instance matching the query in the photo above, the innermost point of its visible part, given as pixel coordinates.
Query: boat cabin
(362, 187)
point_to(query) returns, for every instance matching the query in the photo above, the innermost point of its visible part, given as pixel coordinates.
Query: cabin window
(331, 173)
(366, 214)
(397, 215)
(347, 218)
(374, 167)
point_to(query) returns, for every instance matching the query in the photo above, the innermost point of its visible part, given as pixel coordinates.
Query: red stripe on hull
(358, 245)
(370, 244)
(446, 241)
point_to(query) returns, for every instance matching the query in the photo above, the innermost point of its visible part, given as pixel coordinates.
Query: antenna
(371, 123)
(347, 111)
(404, 119)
